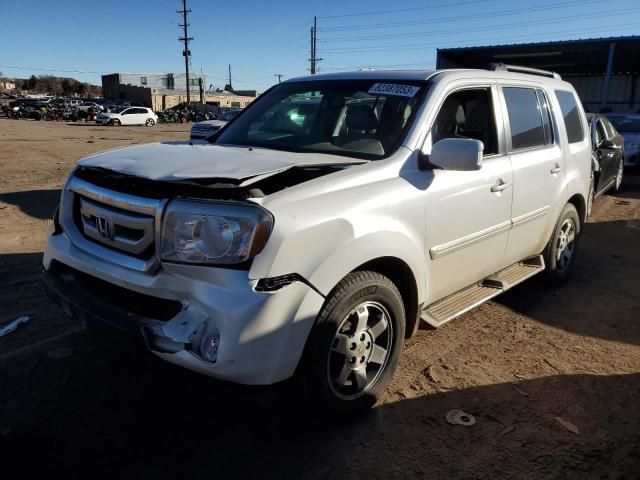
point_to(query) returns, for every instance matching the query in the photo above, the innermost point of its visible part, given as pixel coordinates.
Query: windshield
(118, 109)
(626, 123)
(358, 118)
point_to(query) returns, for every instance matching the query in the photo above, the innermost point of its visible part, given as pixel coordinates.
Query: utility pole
(186, 39)
(230, 85)
(279, 75)
(314, 55)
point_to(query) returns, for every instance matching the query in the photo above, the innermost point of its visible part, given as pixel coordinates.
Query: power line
(478, 28)
(403, 10)
(499, 13)
(40, 69)
(398, 65)
(506, 38)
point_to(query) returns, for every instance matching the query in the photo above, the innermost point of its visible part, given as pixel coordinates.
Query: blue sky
(84, 39)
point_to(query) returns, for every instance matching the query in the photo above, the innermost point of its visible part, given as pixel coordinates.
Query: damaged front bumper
(205, 319)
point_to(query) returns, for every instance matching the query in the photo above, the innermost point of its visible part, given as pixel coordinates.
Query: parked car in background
(628, 124)
(203, 130)
(128, 116)
(85, 106)
(311, 235)
(608, 156)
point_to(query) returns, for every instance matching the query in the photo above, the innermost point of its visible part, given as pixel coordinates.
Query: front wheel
(115, 122)
(561, 250)
(150, 122)
(353, 350)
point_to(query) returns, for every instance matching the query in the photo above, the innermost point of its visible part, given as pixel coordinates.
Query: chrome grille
(115, 227)
(119, 229)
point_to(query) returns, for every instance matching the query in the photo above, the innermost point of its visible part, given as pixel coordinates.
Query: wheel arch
(403, 278)
(578, 201)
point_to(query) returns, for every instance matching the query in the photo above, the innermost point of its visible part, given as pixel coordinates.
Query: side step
(445, 310)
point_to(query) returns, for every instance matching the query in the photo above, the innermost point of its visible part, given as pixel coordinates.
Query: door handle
(556, 169)
(500, 186)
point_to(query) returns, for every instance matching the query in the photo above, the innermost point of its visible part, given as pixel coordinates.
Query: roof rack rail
(503, 67)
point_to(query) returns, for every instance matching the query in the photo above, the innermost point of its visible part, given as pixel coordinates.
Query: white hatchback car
(314, 232)
(128, 116)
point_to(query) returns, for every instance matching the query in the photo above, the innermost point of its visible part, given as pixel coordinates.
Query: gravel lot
(524, 365)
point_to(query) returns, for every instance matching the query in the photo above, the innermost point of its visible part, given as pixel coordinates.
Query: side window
(608, 127)
(128, 111)
(571, 114)
(601, 133)
(545, 112)
(525, 118)
(467, 114)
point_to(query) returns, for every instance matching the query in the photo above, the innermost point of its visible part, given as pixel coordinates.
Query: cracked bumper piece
(205, 319)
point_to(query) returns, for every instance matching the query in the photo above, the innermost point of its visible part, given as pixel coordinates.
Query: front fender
(324, 254)
(366, 248)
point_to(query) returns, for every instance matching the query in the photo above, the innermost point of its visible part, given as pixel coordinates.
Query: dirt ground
(524, 365)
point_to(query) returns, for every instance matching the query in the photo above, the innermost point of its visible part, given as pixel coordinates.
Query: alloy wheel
(360, 350)
(619, 175)
(565, 244)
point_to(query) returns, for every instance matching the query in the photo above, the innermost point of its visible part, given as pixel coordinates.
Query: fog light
(209, 346)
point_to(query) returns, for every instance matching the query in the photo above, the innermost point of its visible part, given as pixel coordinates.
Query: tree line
(51, 85)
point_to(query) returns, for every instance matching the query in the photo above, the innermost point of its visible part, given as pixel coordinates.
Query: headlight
(214, 233)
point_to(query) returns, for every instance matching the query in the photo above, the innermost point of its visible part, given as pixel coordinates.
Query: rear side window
(571, 114)
(523, 108)
(611, 132)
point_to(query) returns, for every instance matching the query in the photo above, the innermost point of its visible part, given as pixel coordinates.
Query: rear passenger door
(537, 158)
(140, 116)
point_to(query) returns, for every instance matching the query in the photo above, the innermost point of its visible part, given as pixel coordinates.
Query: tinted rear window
(527, 130)
(571, 114)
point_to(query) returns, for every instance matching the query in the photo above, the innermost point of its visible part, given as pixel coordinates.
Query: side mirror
(609, 145)
(461, 154)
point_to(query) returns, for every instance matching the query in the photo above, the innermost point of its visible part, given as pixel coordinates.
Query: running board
(445, 310)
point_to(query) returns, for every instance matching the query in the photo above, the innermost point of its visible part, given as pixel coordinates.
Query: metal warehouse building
(604, 71)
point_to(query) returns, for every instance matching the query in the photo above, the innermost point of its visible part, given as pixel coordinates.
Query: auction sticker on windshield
(393, 89)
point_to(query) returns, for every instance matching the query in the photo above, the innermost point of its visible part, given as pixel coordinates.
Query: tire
(560, 253)
(592, 195)
(115, 122)
(150, 122)
(619, 175)
(351, 355)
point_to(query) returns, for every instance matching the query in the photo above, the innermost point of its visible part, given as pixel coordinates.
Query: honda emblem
(104, 225)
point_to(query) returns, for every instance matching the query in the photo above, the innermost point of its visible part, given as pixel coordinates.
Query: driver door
(468, 212)
(127, 116)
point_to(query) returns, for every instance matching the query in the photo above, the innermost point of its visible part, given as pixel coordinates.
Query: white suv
(128, 116)
(315, 231)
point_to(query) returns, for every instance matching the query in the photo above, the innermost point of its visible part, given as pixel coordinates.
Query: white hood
(182, 161)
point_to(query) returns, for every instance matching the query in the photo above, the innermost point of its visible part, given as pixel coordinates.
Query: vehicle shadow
(602, 297)
(35, 203)
(124, 413)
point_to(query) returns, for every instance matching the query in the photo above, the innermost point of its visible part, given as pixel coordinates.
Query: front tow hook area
(162, 344)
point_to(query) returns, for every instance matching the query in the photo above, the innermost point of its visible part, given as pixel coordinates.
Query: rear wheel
(592, 195)
(619, 175)
(354, 349)
(562, 248)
